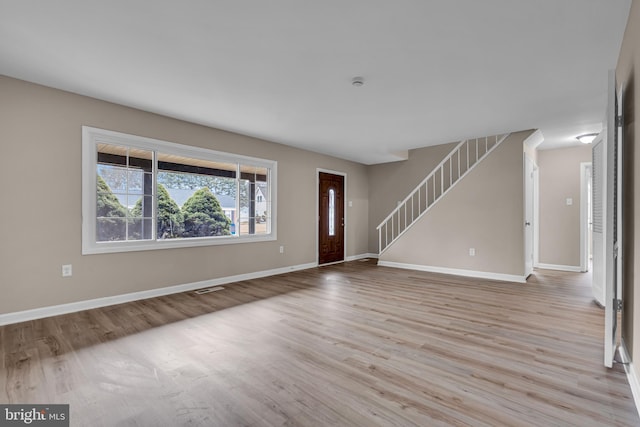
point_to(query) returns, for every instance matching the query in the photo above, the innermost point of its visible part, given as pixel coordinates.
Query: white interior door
(612, 224)
(536, 217)
(585, 216)
(598, 186)
(528, 215)
(619, 191)
(610, 311)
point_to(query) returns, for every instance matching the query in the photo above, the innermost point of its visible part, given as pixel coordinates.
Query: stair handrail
(432, 175)
(417, 187)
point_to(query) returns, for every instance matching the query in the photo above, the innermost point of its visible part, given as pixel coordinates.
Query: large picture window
(141, 193)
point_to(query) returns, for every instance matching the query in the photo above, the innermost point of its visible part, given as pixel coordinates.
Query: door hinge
(617, 304)
(619, 121)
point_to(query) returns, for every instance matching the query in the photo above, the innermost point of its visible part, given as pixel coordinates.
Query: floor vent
(207, 290)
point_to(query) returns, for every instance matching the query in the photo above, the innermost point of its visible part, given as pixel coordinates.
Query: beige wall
(484, 211)
(390, 183)
(559, 224)
(40, 226)
(628, 76)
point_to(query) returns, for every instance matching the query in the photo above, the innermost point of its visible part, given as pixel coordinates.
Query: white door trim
(536, 215)
(529, 167)
(585, 175)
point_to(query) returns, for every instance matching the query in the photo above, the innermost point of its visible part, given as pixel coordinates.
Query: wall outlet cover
(67, 270)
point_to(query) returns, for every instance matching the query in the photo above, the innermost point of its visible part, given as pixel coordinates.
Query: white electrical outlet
(350, 203)
(569, 201)
(67, 270)
(472, 251)
(281, 249)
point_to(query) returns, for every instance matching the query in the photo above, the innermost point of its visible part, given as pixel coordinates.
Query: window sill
(149, 245)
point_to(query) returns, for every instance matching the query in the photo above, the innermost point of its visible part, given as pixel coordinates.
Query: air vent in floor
(207, 290)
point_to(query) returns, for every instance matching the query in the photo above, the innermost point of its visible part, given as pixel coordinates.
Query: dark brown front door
(331, 218)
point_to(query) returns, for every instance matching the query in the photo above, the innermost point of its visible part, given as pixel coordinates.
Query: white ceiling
(435, 71)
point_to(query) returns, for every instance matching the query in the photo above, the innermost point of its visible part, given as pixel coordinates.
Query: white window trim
(92, 136)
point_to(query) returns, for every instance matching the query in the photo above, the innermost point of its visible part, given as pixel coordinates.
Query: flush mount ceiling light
(357, 81)
(587, 138)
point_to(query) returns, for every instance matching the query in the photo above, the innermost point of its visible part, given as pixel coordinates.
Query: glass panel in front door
(332, 212)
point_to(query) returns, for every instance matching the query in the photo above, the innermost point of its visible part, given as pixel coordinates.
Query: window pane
(124, 190)
(115, 177)
(262, 205)
(135, 181)
(203, 216)
(267, 217)
(111, 211)
(110, 205)
(244, 226)
(255, 212)
(332, 212)
(139, 228)
(225, 191)
(170, 220)
(140, 206)
(111, 229)
(196, 198)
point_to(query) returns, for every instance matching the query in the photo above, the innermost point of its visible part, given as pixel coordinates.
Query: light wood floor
(350, 344)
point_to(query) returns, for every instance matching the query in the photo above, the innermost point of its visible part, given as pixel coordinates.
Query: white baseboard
(632, 375)
(572, 268)
(361, 256)
(456, 272)
(39, 313)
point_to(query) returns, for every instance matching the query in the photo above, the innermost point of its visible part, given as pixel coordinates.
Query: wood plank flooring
(348, 344)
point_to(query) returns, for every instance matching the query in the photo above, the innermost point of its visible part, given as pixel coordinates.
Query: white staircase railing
(458, 163)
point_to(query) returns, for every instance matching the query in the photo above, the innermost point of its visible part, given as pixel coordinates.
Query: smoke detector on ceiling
(357, 81)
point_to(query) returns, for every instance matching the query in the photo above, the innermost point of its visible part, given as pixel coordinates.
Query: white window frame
(91, 137)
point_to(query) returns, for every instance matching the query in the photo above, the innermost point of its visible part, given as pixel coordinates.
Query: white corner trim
(361, 256)
(632, 375)
(535, 139)
(55, 310)
(572, 268)
(456, 272)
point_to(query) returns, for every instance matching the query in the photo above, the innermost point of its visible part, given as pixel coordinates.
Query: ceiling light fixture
(587, 138)
(357, 81)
